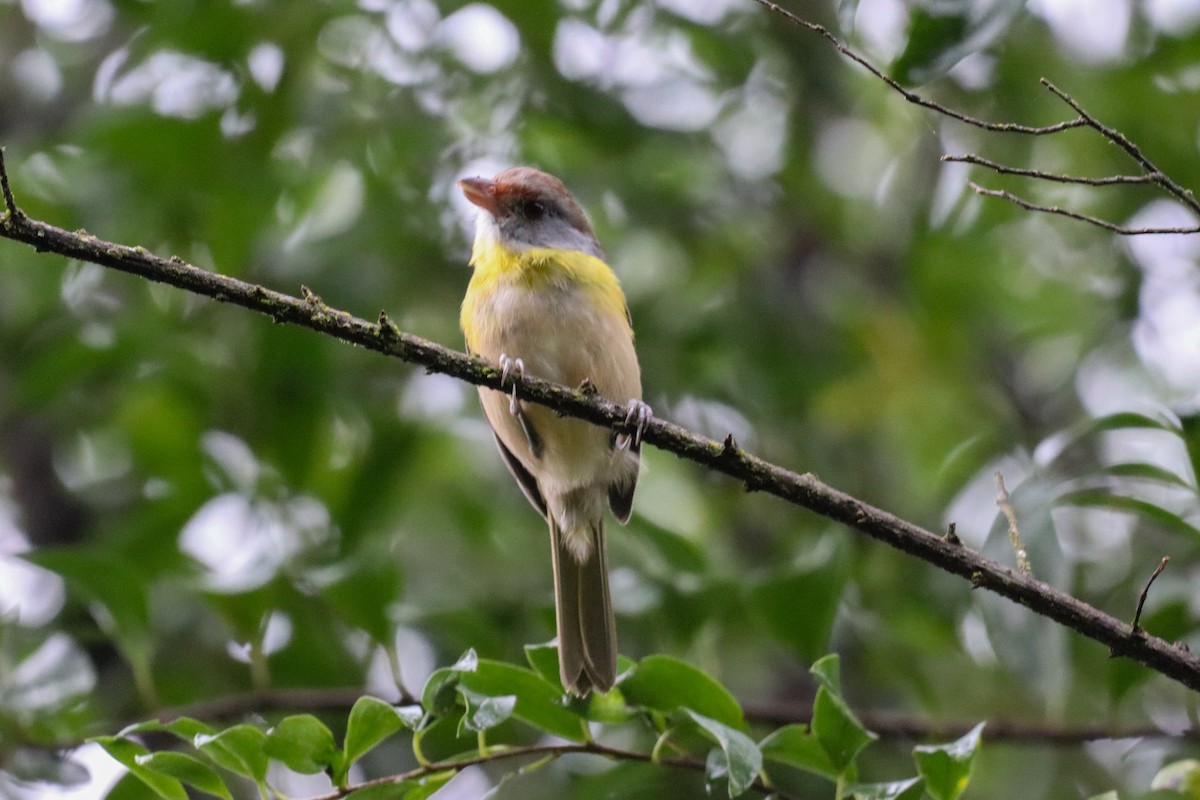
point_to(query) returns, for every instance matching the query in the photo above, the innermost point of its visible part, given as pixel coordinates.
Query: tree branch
(1056, 177)
(1014, 532)
(1029, 205)
(893, 725)
(1137, 615)
(1116, 137)
(1151, 173)
(806, 490)
(545, 750)
(911, 96)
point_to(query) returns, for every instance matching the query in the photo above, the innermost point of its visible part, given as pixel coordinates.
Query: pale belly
(560, 337)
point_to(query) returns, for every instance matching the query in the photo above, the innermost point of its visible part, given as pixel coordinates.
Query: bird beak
(482, 193)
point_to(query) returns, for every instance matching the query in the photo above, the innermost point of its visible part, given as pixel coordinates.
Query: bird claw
(510, 367)
(637, 418)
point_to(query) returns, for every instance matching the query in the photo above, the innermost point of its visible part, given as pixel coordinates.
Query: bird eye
(535, 209)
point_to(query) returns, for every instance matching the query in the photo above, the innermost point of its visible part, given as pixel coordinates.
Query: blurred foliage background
(195, 502)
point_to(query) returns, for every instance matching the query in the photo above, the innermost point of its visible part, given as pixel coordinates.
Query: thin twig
(970, 158)
(1014, 533)
(1116, 137)
(805, 491)
(1029, 205)
(551, 750)
(1137, 616)
(1153, 175)
(911, 96)
(10, 204)
(893, 725)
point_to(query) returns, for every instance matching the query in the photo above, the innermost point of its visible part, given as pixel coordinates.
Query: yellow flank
(539, 268)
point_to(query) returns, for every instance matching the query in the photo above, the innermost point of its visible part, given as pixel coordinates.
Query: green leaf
(467, 662)
(1130, 419)
(534, 700)
(41, 676)
(665, 684)
(608, 708)
(544, 660)
(130, 787)
(405, 790)
(1190, 433)
(239, 749)
(303, 743)
(796, 746)
(847, 10)
(930, 37)
(371, 721)
(828, 671)
(799, 605)
(741, 757)
(680, 554)
(1114, 422)
(947, 768)
(840, 733)
(439, 696)
(1148, 472)
(1180, 776)
(244, 612)
(113, 584)
(185, 728)
(1102, 498)
(105, 579)
(911, 789)
(429, 785)
(128, 754)
(28, 765)
(384, 791)
(188, 769)
(411, 717)
(443, 738)
(125, 751)
(538, 702)
(484, 711)
(942, 34)
(363, 592)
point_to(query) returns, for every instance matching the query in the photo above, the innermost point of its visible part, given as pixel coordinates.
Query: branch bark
(546, 751)
(804, 490)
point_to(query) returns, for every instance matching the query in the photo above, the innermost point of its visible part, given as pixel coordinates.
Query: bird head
(525, 208)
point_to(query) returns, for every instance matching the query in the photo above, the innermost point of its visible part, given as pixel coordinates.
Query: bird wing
(620, 493)
(525, 479)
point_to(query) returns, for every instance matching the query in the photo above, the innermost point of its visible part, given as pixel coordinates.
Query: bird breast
(564, 332)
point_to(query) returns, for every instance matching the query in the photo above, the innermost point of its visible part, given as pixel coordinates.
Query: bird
(542, 302)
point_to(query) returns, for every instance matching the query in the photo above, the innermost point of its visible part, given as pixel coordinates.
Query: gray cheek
(563, 236)
(552, 232)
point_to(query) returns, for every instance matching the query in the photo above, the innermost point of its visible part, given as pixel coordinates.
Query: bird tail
(587, 634)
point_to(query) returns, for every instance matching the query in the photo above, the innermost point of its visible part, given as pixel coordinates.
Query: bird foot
(637, 418)
(510, 367)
